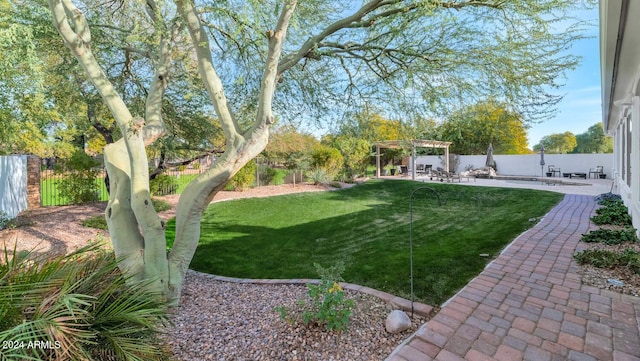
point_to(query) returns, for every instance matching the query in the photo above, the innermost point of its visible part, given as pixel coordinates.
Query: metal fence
(172, 181)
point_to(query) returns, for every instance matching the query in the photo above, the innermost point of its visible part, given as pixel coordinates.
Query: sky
(581, 106)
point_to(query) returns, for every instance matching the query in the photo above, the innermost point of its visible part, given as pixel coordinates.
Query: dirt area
(59, 230)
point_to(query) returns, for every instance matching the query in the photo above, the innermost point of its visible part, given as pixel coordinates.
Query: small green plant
(6, 221)
(319, 176)
(97, 222)
(326, 304)
(610, 259)
(613, 211)
(76, 307)
(610, 236)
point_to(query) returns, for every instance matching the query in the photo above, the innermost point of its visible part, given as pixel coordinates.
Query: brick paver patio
(529, 304)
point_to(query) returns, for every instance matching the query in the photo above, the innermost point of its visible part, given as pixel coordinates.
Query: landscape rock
(397, 321)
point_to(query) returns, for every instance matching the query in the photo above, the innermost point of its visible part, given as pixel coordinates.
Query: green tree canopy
(558, 143)
(593, 141)
(287, 142)
(473, 128)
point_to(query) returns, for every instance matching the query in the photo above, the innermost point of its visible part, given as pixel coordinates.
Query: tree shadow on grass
(371, 238)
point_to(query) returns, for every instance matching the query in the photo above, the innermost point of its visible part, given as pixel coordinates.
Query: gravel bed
(606, 278)
(237, 321)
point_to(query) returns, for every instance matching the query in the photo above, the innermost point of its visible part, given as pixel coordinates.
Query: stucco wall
(529, 164)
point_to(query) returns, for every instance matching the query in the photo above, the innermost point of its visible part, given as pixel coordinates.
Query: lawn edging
(397, 302)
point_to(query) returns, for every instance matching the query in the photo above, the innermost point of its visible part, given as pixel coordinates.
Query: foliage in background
(328, 159)
(244, 179)
(473, 128)
(326, 304)
(356, 154)
(77, 307)
(558, 143)
(286, 141)
(79, 174)
(319, 176)
(268, 175)
(593, 141)
(162, 185)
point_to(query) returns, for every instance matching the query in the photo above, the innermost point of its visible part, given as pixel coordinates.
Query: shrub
(267, 175)
(163, 185)
(244, 179)
(326, 304)
(77, 307)
(610, 259)
(613, 211)
(79, 179)
(319, 176)
(327, 158)
(607, 196)
(610, 236)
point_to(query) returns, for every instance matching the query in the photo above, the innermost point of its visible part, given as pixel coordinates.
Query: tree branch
(212, 81)
(276, 42)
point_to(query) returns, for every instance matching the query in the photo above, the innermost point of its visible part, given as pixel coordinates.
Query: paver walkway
(529, 304)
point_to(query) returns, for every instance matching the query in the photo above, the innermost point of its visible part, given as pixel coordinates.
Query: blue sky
(581, 106)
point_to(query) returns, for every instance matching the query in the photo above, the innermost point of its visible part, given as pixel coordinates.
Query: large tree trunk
(136, 231)
(197, 196)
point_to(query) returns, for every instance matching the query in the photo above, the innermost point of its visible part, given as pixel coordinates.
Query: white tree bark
(241, 146)
(136, 231)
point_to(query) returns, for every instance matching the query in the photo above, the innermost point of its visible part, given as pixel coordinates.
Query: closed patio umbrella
(541, 160)
(489, 162)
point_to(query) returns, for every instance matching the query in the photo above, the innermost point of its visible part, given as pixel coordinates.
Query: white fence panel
(13, 184)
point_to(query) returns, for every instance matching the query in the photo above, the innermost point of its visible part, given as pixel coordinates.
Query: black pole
(411, 235)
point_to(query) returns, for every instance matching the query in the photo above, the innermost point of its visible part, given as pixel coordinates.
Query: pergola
(413, 144)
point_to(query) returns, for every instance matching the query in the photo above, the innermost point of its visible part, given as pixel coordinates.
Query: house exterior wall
(620, 80)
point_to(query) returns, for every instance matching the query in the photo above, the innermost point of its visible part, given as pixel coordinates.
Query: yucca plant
(75, 307)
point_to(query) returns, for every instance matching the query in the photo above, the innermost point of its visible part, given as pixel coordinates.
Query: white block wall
(529, 164)
(13, 184)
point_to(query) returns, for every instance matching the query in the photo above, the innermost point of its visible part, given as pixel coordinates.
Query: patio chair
(596, 171)
(420, 169)
(553, 170)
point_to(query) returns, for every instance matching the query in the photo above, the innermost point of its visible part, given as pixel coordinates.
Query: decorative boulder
(397, 321)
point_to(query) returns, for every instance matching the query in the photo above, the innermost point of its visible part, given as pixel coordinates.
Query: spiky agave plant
(75, 307)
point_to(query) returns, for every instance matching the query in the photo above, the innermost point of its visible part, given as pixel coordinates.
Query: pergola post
(413, 161)
(446, 158)
(402, 144)
(377, 161)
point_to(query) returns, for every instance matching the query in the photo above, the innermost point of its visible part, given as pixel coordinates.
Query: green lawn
(367, 227)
